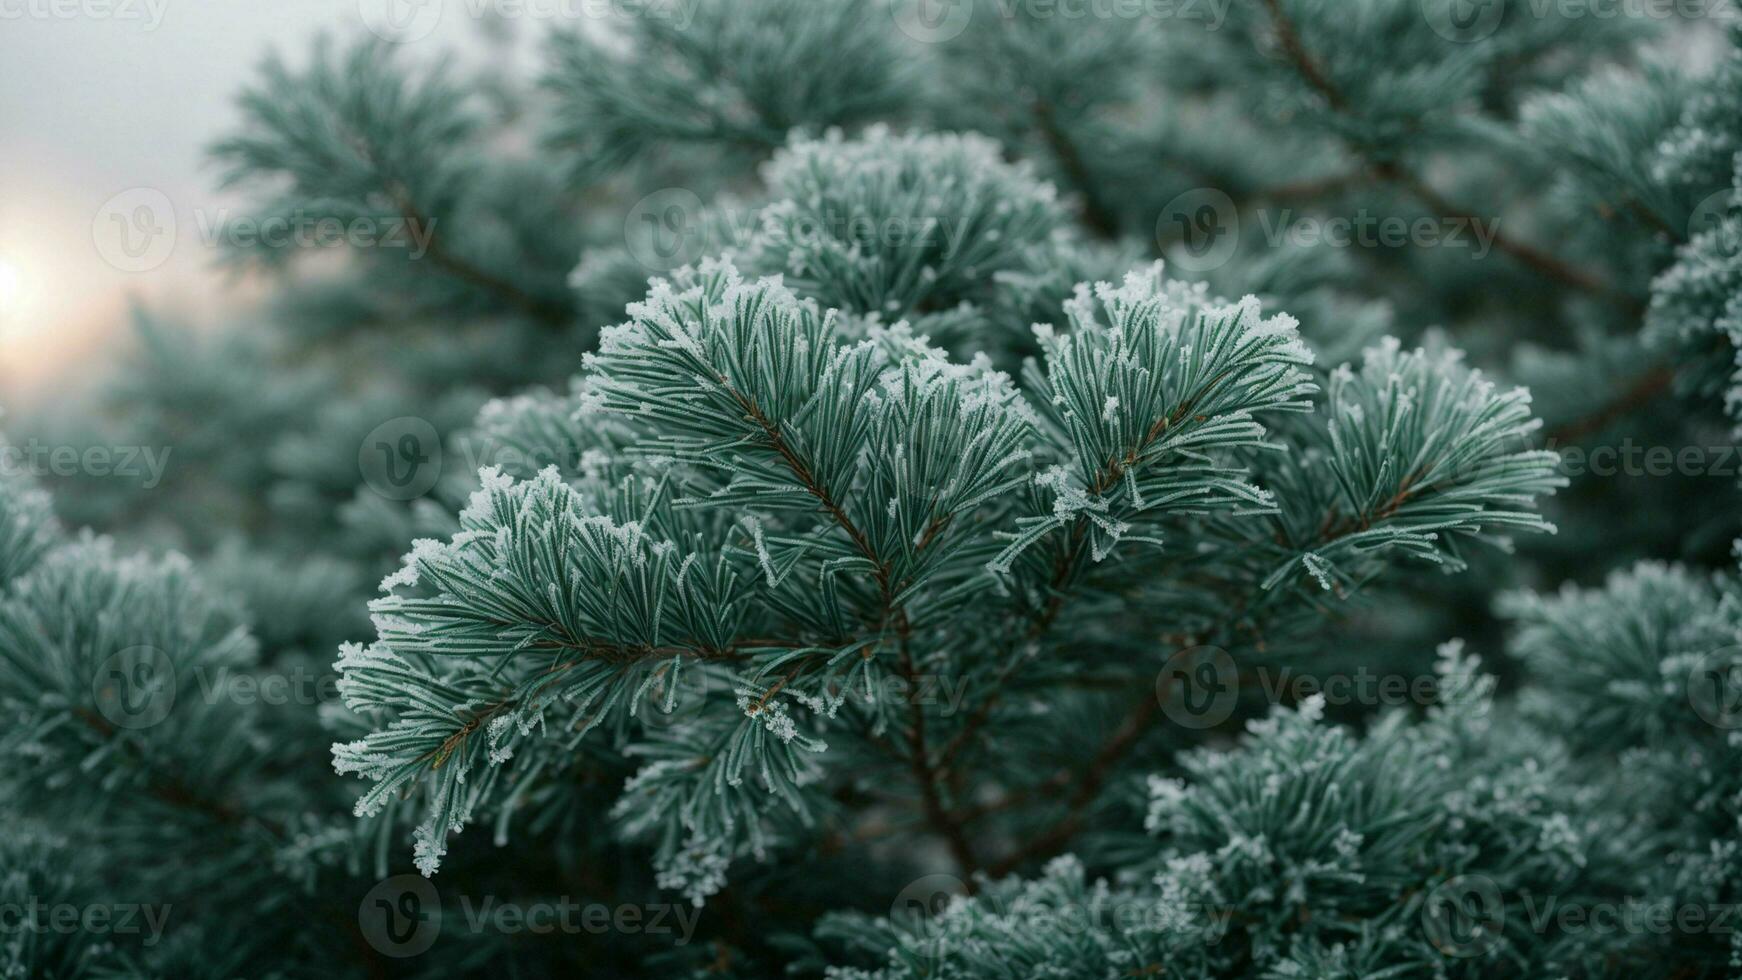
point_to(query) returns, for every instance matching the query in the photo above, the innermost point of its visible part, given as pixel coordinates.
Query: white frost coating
(1165, 795)
(763, 558)
(423, 550)
(697, 870)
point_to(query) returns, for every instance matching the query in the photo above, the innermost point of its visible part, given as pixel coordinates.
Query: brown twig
(1313, 187)
(924, 773)
(1136, 723)
(939, 816)
(1096, 214)
(1641, 392)
(1302, 59)
(436, 251)
(807, 479)
(1531, 257)
(178, 794)
(1066, 565)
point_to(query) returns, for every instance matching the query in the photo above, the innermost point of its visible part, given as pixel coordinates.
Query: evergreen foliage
(896, 494)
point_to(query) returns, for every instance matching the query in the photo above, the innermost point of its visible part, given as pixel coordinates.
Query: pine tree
(897, 493)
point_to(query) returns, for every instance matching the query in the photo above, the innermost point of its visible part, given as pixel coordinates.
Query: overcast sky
(105, 112)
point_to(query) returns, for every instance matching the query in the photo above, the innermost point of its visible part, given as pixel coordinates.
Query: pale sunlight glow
(14, 297)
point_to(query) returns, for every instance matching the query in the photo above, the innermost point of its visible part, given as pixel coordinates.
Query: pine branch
(802, 472)
(924, 773)
(1301, 58)
(1088, 788)
(1533, 258)
(176, 793)
(1314, 187)
(1643, 391)
(435, 249)
(1096, 215)
(941, 820)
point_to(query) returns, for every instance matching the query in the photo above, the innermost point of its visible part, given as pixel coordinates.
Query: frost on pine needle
(695, 871)
(803, 511)
(866, 543)
(898, 224)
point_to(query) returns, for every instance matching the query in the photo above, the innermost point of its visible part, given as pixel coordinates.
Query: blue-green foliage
(832, 583)
(1428, 848)
(797, 515)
